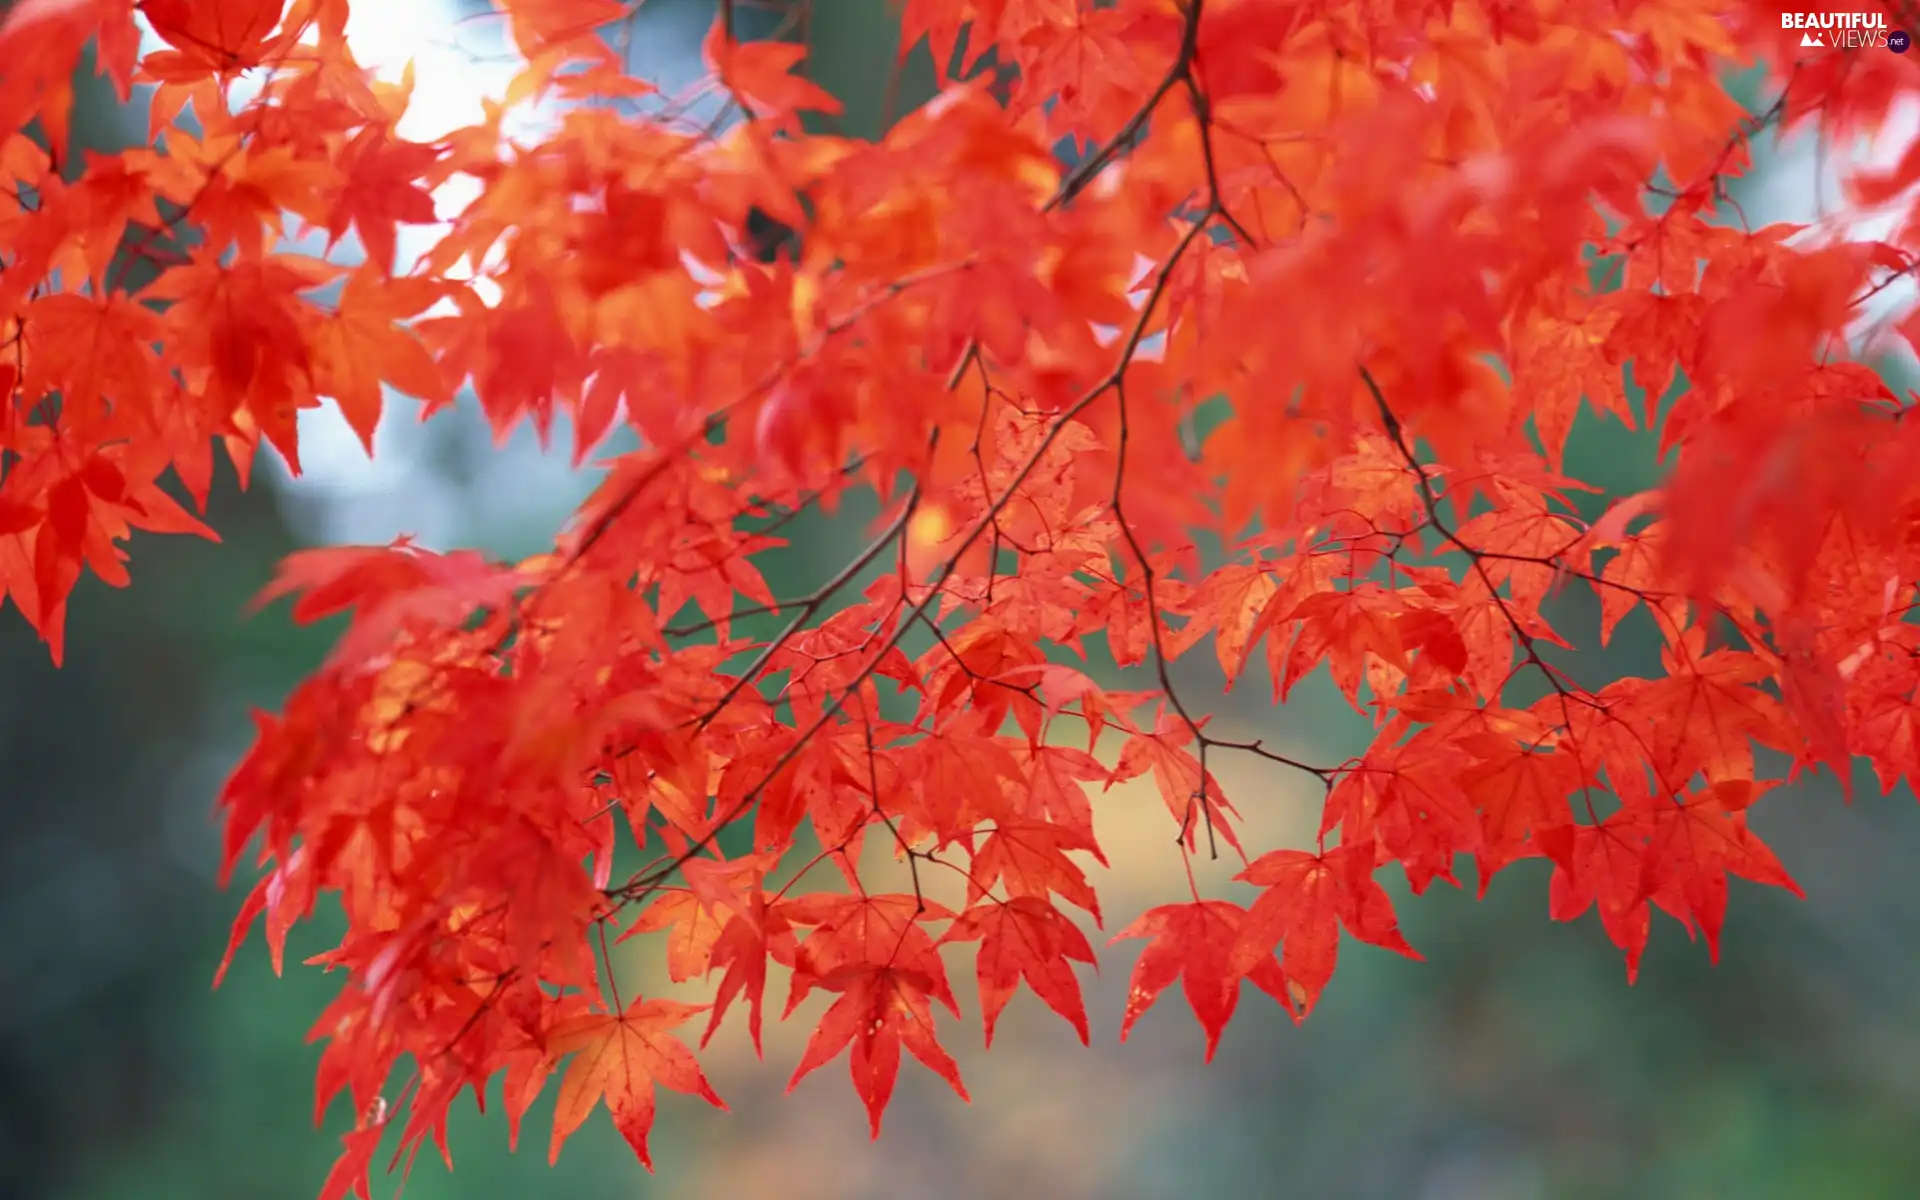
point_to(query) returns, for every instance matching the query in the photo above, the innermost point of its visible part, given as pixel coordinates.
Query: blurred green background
(1514, 1063)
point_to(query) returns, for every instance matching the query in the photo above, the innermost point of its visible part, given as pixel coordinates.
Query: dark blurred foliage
(105, 895)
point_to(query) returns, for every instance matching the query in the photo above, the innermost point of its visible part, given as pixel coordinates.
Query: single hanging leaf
(619, 1058)
(1308, 899)
(1025, 937)
(880, 1010)
(1195, 943)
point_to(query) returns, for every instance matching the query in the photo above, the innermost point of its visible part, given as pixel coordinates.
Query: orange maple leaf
(619, 1058)
(761, 75)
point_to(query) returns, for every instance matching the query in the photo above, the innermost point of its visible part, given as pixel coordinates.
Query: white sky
(1802, 183)
(443, 482)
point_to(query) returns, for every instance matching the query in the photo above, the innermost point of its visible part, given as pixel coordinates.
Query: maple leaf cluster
(1322, 286)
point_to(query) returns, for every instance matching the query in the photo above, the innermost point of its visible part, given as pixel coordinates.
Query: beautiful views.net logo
(1845, 30)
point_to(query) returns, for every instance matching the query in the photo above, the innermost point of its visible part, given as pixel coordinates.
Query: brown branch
(1081, 176)
(811, 604)
(642, 885)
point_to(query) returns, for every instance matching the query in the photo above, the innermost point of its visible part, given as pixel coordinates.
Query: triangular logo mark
(1812, 39)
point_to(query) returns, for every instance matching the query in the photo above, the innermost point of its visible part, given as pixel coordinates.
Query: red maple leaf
(880, 1009)
(1196, 944)
(1308, 898)
(1025, 937)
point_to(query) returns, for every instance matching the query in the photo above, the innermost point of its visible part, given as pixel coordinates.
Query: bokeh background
(1514, 1063)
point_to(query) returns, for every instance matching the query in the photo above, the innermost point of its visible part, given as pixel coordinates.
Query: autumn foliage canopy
(1246, 328)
